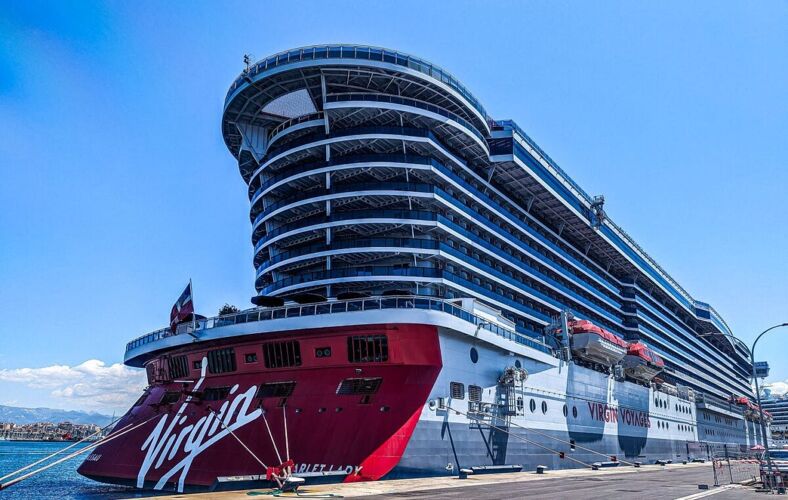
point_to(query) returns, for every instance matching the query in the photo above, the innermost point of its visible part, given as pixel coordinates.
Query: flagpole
(194, 311)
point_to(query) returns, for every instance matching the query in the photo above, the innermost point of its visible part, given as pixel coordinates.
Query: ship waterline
(433, 293)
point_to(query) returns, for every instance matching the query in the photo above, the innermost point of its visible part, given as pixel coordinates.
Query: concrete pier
(649, 481)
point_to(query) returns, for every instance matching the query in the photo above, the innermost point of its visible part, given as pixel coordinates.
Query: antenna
(597, 211)
(247, 62)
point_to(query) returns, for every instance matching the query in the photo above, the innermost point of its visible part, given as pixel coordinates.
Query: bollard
(636, 464)
(540, 469)
(595, 466)
(464, 473)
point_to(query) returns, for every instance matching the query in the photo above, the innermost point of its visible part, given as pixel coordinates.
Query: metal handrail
(406, 101)
(370, 158)
(363, 52)
(423, 215)
(416, 187)
(294, 121)
(340, 306)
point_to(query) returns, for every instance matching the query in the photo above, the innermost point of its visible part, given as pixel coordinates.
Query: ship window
(221, 360)
(474, 355)
(322, 352)
(197, 364)
(532, 405)
(215, 393)
(282, 354)
(354, 386)
(250, 357)
(544, 406)
(457, 390)
(474, 393)
(574, 411)
(179, 366)
(170, 397)
(276, 390)
(566, 411)
(368, 349)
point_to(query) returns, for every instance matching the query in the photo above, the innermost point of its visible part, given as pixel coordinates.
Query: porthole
(474, 355)
(566, 412)
(517, 364)
(574, 411)
(532, 406)
(544, 406)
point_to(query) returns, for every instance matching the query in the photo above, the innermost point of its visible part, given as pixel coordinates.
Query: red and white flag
(183, 308)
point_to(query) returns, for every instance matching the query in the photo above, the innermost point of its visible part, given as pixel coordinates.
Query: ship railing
(385, 98)
(341, 306)
(294, 121)
(319, 52)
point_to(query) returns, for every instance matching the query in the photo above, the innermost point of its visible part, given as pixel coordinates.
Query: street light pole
(757, 389)
(758, 397)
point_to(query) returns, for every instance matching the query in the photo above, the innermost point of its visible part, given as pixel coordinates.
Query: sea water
(60, 481)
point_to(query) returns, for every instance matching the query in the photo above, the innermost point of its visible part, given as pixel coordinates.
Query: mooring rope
(265, 467)
(76, 453)
(526, 440)
(563, 441)
(287, 441)
(50, 455)
(270, 434)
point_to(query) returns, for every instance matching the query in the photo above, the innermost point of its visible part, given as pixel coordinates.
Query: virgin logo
(174, 445)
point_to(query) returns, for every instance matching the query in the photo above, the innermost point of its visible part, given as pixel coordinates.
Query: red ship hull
(351, 431)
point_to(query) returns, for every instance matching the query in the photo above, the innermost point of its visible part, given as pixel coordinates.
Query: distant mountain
(32, 415)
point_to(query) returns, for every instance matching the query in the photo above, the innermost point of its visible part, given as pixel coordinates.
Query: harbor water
(61, 481)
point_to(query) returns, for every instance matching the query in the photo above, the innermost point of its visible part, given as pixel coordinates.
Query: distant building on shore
(46, 431)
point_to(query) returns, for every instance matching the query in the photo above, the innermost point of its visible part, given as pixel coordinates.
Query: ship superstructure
(419, 264)
(777, 406)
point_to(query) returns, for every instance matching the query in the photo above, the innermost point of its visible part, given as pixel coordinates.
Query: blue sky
(116, 187)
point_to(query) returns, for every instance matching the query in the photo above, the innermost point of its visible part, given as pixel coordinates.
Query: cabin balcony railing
(339, 306)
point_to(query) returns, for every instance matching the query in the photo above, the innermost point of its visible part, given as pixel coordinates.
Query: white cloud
(778, 388)
(90, 385)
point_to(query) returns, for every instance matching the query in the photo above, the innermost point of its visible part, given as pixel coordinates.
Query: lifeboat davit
(592, 343)
(641, 363)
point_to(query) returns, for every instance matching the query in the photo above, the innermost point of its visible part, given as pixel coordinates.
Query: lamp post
(758, 397)
(757, 389)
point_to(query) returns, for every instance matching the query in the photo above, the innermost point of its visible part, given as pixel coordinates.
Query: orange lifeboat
(641, 363)
(592, 343)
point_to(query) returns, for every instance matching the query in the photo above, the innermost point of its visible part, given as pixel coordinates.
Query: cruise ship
(777, 406)
(434, 295)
